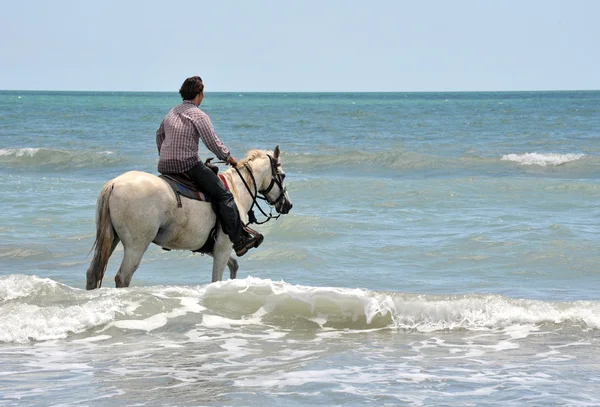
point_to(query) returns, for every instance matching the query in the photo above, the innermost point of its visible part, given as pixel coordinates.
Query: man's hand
(232, 161)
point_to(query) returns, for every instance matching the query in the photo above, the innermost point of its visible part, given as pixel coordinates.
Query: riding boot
(245, 243)
(251, 232)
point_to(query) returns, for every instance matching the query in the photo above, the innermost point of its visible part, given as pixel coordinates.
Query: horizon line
(305, 92)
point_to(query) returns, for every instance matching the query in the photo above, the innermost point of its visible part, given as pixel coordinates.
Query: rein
(251, 217)
(269, 216)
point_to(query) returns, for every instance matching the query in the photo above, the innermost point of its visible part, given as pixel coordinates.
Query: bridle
(276, 179)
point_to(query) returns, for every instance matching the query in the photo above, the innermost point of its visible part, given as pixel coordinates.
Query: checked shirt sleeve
(210, 139)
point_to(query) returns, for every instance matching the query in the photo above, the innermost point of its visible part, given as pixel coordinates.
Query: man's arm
(210, 139)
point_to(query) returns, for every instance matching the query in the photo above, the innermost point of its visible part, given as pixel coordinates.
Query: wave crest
(33, 308)
(57, 159)
(548, 159)
(343, 308)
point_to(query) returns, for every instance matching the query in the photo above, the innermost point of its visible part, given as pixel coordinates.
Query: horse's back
(139, 194)
(140, 181)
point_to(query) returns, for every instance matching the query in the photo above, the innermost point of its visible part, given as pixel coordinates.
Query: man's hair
(191, 87)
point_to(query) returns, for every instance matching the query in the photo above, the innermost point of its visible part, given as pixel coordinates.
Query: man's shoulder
(182, 107)
(199, 116)
(191, 110)
(202, 114)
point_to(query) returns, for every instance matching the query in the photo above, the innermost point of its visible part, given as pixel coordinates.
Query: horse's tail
(105, 238)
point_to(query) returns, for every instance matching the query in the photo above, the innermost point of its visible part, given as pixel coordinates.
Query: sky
(300, 46)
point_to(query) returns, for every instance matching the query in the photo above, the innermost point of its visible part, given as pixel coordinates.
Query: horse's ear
(276, 152)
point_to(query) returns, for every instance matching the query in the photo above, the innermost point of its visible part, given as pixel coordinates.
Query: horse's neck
(242, 196)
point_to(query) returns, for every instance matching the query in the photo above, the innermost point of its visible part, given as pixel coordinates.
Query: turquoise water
(442, 250)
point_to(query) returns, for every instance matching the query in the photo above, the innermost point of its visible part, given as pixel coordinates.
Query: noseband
(276, 178)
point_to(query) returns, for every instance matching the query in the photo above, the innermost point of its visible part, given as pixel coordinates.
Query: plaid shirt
(178, 136)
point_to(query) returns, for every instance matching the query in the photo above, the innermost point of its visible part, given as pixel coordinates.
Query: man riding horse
(177, 140)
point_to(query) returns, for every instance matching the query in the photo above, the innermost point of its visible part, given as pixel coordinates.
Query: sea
(443, 250)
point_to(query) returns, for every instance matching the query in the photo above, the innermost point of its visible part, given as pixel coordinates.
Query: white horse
(138, 208)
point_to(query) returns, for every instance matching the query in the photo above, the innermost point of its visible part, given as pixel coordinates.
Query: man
(177, 140)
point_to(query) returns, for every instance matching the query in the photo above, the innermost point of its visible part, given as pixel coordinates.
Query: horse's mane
(251, 155)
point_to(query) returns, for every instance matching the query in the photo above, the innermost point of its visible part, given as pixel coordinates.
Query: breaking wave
(543, 160)
(38, 309)
(404, 160)
(57, 159)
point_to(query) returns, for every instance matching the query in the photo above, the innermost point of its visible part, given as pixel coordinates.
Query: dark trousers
(228, 213)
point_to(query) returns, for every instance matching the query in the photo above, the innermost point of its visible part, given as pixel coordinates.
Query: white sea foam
(58, 158)
(215, 321)
(91, 339)
(39, 309)
(19, 152)
(17, 286)
(344, 308)
(159, 320)
(33, 308)
(542, 159)
(24, 322)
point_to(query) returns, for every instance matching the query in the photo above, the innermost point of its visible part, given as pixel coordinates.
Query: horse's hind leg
(132, 257)
(92, 274)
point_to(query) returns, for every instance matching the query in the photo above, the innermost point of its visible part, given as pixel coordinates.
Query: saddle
(183, 185)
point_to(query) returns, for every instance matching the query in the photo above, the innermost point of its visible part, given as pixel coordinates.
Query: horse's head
(273, 186)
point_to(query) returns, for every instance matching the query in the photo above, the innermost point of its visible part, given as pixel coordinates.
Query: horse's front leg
(221, 254)
(232, 263)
